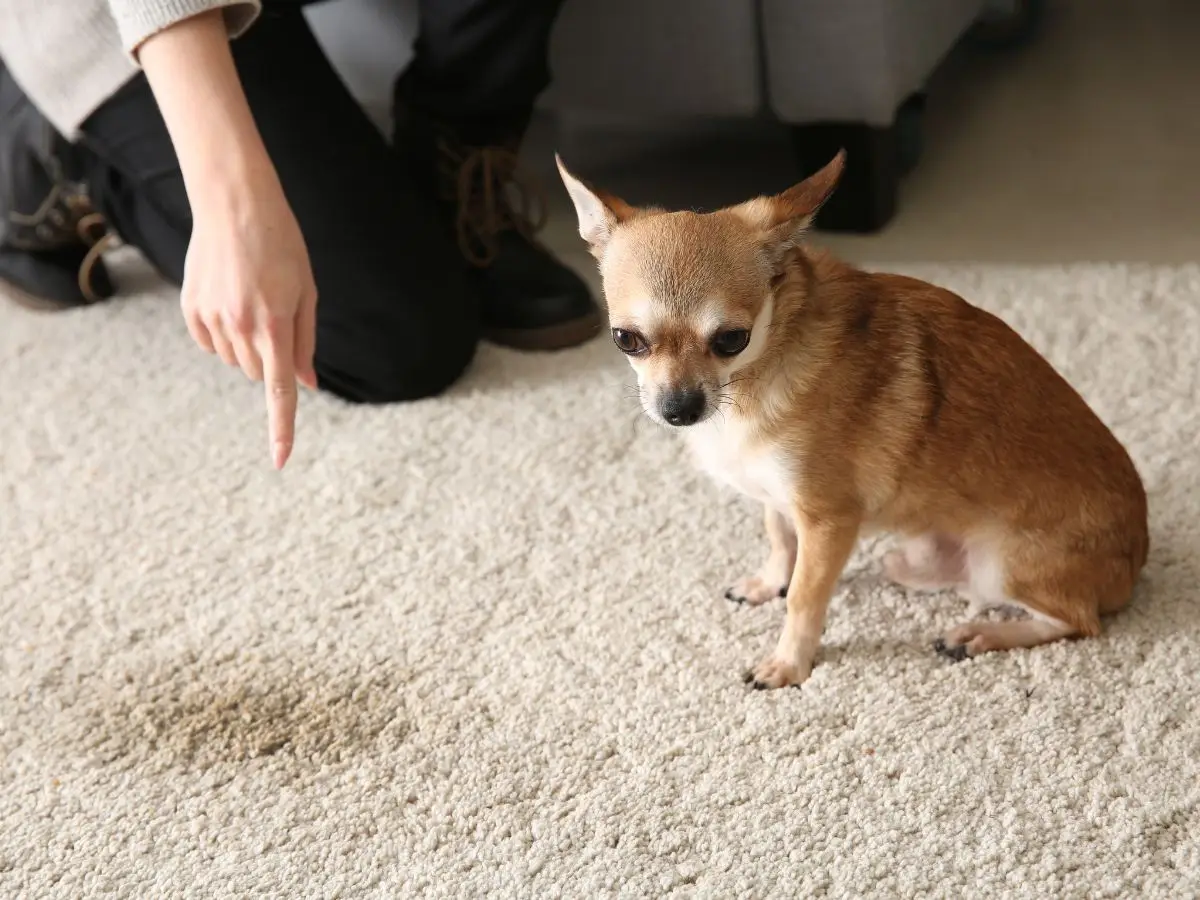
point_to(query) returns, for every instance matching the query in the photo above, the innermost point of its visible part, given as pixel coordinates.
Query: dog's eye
(730, 343)
(629, 341)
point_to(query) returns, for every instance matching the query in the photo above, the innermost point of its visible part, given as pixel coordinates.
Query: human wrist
(232, 178)
(221, 154)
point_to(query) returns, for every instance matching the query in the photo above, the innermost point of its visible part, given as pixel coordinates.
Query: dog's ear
(599, 212)
(784, 218)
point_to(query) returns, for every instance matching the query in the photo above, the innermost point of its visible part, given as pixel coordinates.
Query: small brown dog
(847, 402)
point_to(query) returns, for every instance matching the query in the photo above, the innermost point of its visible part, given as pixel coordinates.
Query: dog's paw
(954, 652)
(754, 591)
(964, 641)
(774, 673)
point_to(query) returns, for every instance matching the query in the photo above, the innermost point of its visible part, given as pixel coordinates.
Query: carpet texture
(477, 646)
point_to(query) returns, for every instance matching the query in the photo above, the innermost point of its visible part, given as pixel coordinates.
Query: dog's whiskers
(724, 401)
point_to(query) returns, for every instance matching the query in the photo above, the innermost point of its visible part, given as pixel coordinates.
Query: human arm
(248, 292)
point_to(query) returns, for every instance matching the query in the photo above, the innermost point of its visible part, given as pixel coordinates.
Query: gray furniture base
(839, 73)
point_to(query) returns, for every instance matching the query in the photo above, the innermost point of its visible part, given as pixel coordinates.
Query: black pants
(396, 317)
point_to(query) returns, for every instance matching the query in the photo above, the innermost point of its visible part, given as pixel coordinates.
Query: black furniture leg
(865, 200)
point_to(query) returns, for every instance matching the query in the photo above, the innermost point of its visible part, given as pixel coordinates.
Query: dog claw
(957, 654)
(753, 592)
(773, 674)
(755, 684)
(760, 686)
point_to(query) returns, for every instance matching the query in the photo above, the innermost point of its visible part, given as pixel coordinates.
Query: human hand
(249, 295)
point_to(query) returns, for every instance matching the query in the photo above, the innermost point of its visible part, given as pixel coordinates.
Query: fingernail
(281, 454)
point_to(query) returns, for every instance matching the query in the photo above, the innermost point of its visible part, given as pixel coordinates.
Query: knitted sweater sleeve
(138, 20)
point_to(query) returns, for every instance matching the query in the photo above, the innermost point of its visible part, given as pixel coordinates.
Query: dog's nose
(682, 407)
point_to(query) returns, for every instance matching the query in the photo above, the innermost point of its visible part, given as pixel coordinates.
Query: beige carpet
(477, 646)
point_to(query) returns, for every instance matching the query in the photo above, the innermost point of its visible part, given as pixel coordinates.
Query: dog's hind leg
(1064, 595)
(974, 638)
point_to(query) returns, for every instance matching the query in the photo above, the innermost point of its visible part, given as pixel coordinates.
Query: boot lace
(492, 197)
(66, 217)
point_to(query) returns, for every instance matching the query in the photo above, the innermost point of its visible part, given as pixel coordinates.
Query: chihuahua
(848, 403)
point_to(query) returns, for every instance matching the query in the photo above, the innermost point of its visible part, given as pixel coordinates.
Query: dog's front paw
(774, 672)
(755, 591)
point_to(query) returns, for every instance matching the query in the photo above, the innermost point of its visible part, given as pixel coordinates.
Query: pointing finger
(279, 373)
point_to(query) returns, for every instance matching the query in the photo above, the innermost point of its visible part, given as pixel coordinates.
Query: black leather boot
(51, 239)
(531, 301)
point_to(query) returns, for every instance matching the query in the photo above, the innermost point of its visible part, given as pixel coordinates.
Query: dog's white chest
(725, 450)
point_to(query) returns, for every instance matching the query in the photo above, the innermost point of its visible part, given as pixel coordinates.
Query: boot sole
(32, 302)
(553, 337)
